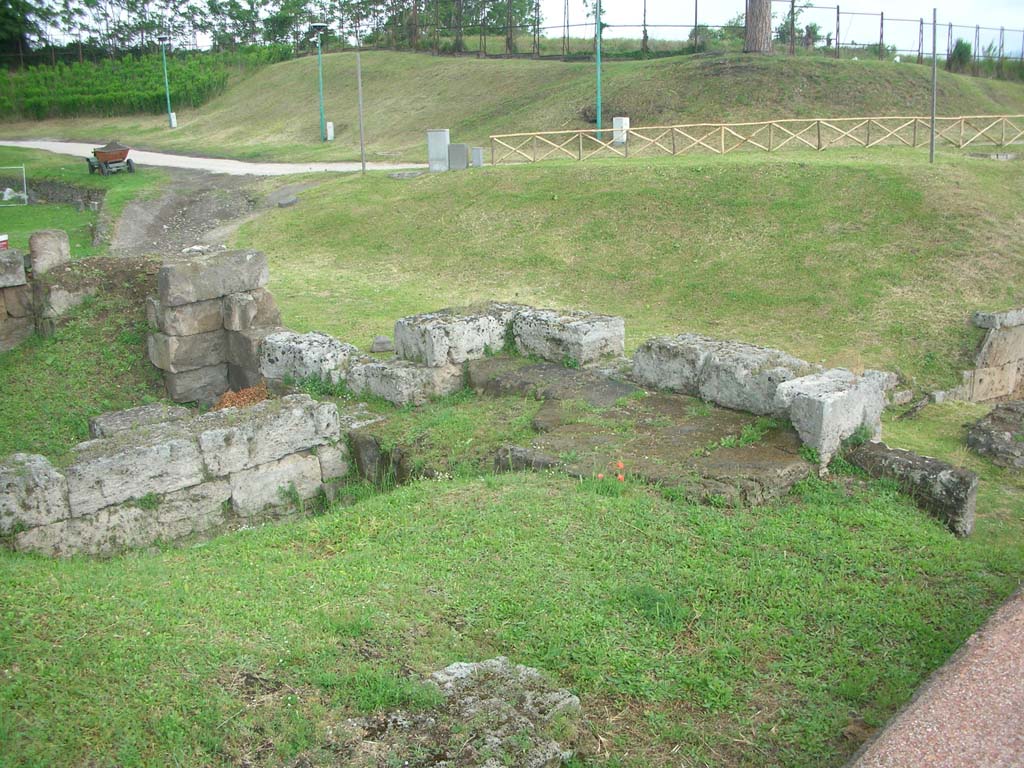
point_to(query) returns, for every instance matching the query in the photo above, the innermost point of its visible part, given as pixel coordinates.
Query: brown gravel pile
(243, 397)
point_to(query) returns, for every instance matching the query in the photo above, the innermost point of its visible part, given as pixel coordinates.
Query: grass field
(274, 114)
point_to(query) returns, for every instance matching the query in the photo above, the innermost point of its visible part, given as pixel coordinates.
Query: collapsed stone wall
(999, 362)
(56, 192)
(156, 473)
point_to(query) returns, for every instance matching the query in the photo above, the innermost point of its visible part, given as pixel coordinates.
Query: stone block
(54, 300)
(244, 347)
(12, 269)
(48, 248)
(334, 461)
(256, 309)
(176, 354)
(403, 382)
(32, 493)
(212, 276)
(1011, 318)
(193, 510)
(114, 422)
(984, 384)
(14, 330)
(268, 486)
(1001, 347)
(947, 492)
(242, 378)
(298, 356)
(827, 408)
(18, 301)
(453, 336)
(744, 377)
(580, 337)
(674, 363)
(382, 344)
(887, 381)
(186, 319)
(1000, 435)
(202, 385)
(158, 458)
(234, 439)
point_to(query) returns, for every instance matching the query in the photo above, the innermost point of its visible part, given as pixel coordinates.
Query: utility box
(458, 157)
(620, 131)
(174, 119)
(330, 131)
(476, 158)
(438, 140)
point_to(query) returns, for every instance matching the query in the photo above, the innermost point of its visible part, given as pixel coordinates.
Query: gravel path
(210, 164)
(970, 714)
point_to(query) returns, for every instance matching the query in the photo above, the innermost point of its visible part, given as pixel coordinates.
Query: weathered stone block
(192, 510)
(827, 408)
(114, 422)
(48, 248)
(887, 381)
(202, 385)
(996, 320)
(573, 336)
(176, 354)
(674, 363)
(297, 356)
(745, 377)
(212, 276)
(12, 269)
(159, 458)
(18, 301)
(947, 492)
(984, 384)
(54, 300)
(240, 438)
(453, 336)
(268, 486)
(187, 319)
(13, 331)
(405, 383)
(334, 461)
(256, 309)
(242, 378)
(32, 493)
(244, 347)
(1000, 435)
(1001, 347)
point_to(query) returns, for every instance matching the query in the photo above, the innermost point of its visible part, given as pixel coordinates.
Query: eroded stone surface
(212, 276)
(177, 354)
(186, 319)
(256, 309)
(453, 336)
(244, 348)
(109, 424)
(202, 385)
(12, 269)
(996, 320)
(18, 301)
(578, 337)
(48, 248)
(547, 381)
(402, 382)
(275, 485)
(285, 354)
(32, 493)
(1000, 435)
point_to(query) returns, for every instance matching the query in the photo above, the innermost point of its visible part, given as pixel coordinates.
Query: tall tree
(758, 38)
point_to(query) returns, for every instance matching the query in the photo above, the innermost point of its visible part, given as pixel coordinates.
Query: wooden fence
(768, 136)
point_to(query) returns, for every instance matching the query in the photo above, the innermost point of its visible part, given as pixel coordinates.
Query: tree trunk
(759, 27)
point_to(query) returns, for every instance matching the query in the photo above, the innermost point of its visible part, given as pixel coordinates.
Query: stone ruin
(1000, 435)
(999, 361)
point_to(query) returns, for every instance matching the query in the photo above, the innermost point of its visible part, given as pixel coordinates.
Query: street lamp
(597, 50)
(319, 27)
(359, 90)
(164, 40)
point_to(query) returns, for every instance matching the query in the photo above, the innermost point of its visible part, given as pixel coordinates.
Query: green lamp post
(319, 28)
(164, 40)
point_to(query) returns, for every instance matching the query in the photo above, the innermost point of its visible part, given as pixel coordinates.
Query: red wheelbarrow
(109, 159)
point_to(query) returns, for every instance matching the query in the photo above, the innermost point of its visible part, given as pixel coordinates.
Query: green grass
(862, 260)
(274, 114)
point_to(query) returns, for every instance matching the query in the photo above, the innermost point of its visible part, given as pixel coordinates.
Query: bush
(960, 59)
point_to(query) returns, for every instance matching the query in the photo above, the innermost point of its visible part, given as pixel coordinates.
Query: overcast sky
(859, 29)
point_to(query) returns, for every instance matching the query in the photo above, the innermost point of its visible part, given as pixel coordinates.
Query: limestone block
(1011, 318)
(674, 363)
(827, 408)
(193, 510)
(18, 301)
(334, 461)
(404, 383)
(887, 381)
(158, 458)
(453, 336)
(13, 331)
(244, 347)
(32, 493)
(48, 248)
(745, 377)
(256, 309)
(1002, 346)
(234, 439)
(202, 385)
(947, 492)
(268, 486)
(242, 378)
(1000, 435)
(12, 269)
(382, 344)
(984, 384)
(577, 336)
(110, 424)
(298, 356)
(176, 354)
(186, 319)
(54, 300)
(212, 276)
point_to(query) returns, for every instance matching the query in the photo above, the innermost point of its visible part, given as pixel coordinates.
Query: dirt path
(209, 164)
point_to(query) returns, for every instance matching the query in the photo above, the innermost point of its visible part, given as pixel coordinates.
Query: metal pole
(167, 83)
(598, 51)
(935, 83)
(837, 32)
(320, 79)
(881, 36)
(359, 90)
(792, 27)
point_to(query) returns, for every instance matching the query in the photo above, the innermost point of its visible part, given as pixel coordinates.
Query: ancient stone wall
(999, 370)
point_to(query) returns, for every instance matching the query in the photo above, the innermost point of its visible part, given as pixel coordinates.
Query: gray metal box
(477, 157)
(458, 157)
(437, 149)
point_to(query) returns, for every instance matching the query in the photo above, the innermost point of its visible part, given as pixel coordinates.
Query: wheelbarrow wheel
(104, 170)
(131, 166)
(92, 168)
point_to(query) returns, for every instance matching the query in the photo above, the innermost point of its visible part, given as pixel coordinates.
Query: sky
(853, 29)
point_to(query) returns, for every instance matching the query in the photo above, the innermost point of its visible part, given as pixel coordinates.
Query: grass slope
(274, 114)
(861, 260)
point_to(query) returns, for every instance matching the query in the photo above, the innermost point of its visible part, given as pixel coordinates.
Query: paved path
(970, 714)
(210, 164)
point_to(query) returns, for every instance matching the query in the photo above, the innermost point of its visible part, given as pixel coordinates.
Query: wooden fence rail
(768, 136)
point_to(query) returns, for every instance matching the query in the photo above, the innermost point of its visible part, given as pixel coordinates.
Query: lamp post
(319, 27)
(359, 87)
(164, 39)
(597, 46)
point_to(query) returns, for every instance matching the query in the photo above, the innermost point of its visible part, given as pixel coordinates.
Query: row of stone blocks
(209, 317)
(19, 301)
(156, 473)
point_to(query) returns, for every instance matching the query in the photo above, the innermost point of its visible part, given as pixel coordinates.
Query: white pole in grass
(935, 84)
